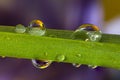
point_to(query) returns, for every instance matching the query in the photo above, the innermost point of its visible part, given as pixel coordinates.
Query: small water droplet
(42, 64)
(8, 38)
(36, 27)
(87, 32)
(93, 67)
(20, 28)
(45, 53)
(60, 57)
(78, 55)
(76, 65)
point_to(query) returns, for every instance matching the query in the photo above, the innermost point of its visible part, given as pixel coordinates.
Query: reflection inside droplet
(42, 64)
(87, 32)
(37, 27)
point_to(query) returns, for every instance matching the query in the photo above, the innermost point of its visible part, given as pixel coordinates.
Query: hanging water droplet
(42, 64)
(3, 56)
(36, 27)
(20, 28)
(87, 32)
(60, 57)
(76, 65)
(92, 66)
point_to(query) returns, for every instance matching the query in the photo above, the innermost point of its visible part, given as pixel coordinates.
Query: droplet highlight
(20, 28)
(60, 58)
(87, 32)
(92, 66)
(36, 27)
(41, 64)
(3, 56)
(76, 65)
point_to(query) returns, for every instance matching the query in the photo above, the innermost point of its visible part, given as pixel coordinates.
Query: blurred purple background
(60, 14)
(22, 69)
(57, 14)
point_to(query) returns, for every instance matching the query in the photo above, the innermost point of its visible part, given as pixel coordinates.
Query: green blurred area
(111, 8)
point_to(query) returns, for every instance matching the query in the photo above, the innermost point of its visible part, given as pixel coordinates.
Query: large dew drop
(87, 32)
(37, 27)
(41, 64)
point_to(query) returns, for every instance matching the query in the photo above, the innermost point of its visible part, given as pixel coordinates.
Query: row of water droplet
(86, 32)
(42, 64)
(36, 27)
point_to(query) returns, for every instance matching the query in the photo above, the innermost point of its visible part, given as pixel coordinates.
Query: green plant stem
(58, 42)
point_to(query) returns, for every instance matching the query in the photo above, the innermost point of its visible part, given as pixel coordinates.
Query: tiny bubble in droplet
(60, 57)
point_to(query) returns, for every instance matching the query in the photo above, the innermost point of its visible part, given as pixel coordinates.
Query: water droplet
(78, 55)
(36, 27)
(60, 57)
(93, 67)
(42, 64)
(20, 28)
(87, 32)
(8, 38)
(45, 53)
(76, 65)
